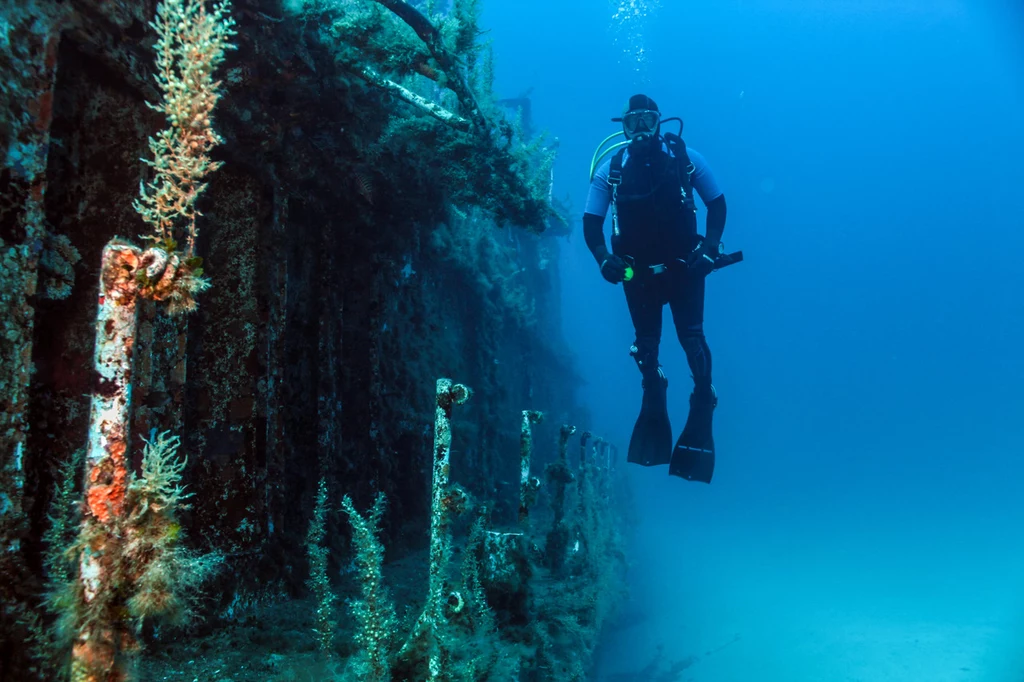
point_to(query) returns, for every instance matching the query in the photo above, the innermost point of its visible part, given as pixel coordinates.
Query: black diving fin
(651, 442)
(694, 454)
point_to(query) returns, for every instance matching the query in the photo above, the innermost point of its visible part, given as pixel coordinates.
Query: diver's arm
(593, 234)
(711, 194)
(715, 221)
(613, 268)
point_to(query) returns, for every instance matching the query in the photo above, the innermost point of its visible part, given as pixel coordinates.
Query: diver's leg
(645, 309)
(687, 303)
(694, 455)
(651, 441)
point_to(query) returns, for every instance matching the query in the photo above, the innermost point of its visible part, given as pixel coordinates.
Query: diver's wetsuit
(657, 227)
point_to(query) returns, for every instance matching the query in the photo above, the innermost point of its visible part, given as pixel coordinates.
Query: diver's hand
(613, 268)
(702, 259)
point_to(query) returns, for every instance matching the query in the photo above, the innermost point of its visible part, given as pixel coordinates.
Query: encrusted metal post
(98, 644)
(449, 394)
(559, 473)
(113, 358)
(559, 476)
(126, 275)
(527, 486)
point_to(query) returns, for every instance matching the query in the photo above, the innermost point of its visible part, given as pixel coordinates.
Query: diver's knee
(698, 354)
(693, 340)
(645, 354)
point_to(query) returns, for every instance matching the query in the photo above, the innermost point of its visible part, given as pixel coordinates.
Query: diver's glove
(701, 260)
(613, 268)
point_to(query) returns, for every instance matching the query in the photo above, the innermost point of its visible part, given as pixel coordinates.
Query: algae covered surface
(243, 246)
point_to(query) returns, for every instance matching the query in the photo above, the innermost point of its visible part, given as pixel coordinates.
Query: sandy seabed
(882, 593)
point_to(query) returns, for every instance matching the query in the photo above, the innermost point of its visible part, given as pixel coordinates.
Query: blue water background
(866, 521)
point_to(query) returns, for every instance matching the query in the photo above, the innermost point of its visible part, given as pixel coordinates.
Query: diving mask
(640, 122)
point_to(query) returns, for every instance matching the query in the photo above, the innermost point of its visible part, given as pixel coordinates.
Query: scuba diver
(659, 257)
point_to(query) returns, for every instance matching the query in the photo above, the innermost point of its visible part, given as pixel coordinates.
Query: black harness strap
(684, 168)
